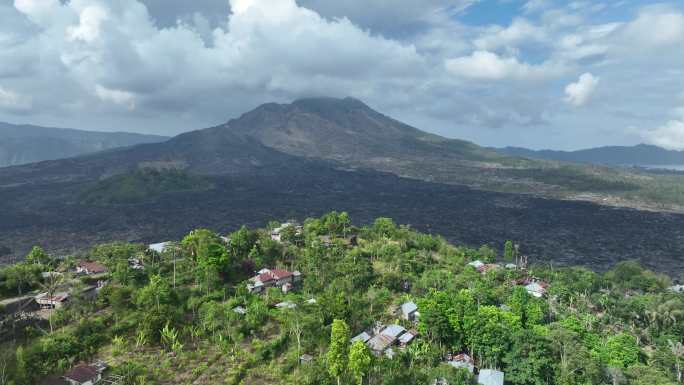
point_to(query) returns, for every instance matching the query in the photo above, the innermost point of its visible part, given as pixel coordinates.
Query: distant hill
(639, 155)
(21, 144)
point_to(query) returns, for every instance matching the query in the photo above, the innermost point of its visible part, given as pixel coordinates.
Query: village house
(406, 338)
(85, 374)
(55, 301)
(240, 310)
(677, 288)
(348, 241)
(305, 359)
(490, 377)
(283, 279)
(276, 234)
(462, 361)
(409, 311)
(536, 289)
(90, 268)
(385, 339)
(363, 337)
(159, 247)
(482, 267)
(136, 263)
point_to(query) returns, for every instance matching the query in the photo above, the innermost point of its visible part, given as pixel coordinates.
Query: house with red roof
(54, 301)
(265, 278)
(90, 268)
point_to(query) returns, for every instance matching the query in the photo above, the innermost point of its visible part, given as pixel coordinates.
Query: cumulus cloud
(265, 50)
(119, 97)
(13, 101)
(655, 26)
(485, 65)
(519, 32)
(174, 65)
(670, 135)
(579, 93)
(90, 20)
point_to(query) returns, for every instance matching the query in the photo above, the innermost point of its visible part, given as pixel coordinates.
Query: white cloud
(88, 29)
(670, 135)
(13, 101)
(579, 93)
(655, 26)
(123, 98)
(485, 65)
(520, 31)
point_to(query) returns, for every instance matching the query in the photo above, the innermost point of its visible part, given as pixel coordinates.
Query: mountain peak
(322, 103)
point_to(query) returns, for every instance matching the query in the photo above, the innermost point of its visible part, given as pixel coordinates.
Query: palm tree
(677, 350)
(50, 284)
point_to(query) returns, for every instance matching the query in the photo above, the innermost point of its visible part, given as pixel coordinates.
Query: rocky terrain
(562, 232)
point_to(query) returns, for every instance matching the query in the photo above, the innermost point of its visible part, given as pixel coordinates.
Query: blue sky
(533, 73)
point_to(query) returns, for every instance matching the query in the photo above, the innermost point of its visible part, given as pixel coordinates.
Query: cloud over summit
(168, 66)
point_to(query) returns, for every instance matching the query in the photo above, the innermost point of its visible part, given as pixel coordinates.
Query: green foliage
(338, 351)
(20, 277)
(360, 360)
(529, 360)
(489, 332)
(38, 256)
(509, 252)
(141, 186)
(592, 329)
(630, 275)
(620, 351)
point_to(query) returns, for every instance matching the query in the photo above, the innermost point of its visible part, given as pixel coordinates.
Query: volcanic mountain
(316, 155)
(345, 132)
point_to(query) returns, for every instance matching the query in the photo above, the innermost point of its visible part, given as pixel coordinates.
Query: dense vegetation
(141, 185)
(621, 327)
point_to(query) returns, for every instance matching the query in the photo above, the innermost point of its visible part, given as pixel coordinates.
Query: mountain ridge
(637, 155)
(25, 143)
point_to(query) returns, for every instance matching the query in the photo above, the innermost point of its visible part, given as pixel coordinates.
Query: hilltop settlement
(327, 302)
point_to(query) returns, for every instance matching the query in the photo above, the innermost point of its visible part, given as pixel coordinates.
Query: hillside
(351, 135)
(327, 302)
(21, 144)
(642, 154)
(256, 166)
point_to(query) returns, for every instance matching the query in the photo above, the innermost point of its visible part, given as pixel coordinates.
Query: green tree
(620, 350)
(21, 276)
(529, 309)
(338, 352)
(242, 242)
(528, 361)
(38, 256)
(360, 360)
(509, 251)
(21, 372)
(156, 294)
(574, 363)
(384, 227)
(50, 284)
(489, 333)
(208, 251)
